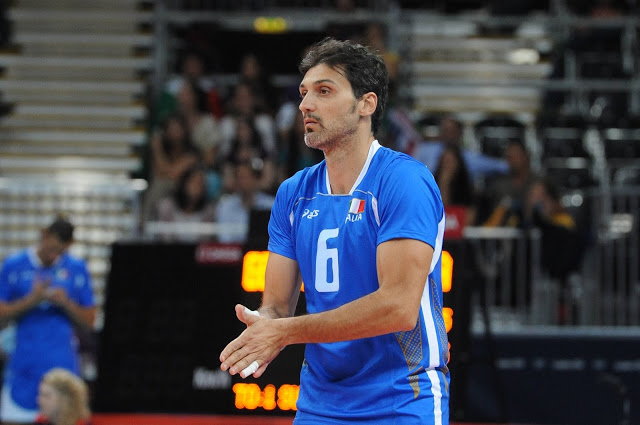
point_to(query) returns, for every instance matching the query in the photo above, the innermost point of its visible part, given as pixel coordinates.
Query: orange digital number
(447, 313)
(251, 397)
(447, 271)
(254, 266)
(447, 280)
(288, 396)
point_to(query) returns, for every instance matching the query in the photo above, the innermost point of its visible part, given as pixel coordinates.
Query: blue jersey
(398, 378)
(44, 335)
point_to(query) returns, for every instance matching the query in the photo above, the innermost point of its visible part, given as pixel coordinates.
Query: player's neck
(345, 163)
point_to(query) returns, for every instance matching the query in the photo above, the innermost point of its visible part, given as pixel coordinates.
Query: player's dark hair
(62, 229)
(364, 69)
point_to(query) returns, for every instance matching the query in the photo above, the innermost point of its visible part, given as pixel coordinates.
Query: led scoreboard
(169, 312)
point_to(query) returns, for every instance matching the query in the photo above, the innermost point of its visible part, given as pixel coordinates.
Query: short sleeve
(82, 286)
(409, 204)
(5, 287)
(280, 227)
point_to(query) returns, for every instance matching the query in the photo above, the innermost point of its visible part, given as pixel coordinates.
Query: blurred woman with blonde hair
(63, 399)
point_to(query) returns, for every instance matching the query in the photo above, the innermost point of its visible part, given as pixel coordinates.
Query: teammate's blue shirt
(44, 335)
(398, 378)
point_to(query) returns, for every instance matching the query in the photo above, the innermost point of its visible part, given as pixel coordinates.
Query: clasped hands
(252, 351)
(43, 291)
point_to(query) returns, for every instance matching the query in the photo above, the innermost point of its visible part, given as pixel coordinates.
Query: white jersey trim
(375, 145)
(437, 250)
(436, 390)
(426, 303)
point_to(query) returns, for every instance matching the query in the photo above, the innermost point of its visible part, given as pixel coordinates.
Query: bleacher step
(22, 148)
(35, 122)
(131, 112)
(130, 137)
(39, 163)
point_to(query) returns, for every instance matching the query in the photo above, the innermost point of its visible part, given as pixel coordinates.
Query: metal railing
(604, 291)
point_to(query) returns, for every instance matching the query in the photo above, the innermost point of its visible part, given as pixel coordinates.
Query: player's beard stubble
(331, 136)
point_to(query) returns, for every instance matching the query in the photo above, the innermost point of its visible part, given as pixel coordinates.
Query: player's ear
(368, 104)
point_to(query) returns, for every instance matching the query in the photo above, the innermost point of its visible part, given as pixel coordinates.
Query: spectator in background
(479, 165)
(203, 128)
(562, 243)
(47, 292)
(189, 202)
(294, 154)
(192, 68)
(63, 399)
(242, 105)
(172, 153)
(253, 75)
(507, 196)
(234, 208)
(561, 250)
(246, 146)
(375, 36)
(455, 185)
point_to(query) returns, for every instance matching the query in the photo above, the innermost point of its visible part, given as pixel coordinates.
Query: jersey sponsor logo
(310, 213)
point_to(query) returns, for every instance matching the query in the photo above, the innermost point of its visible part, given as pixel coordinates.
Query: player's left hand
(255, 348)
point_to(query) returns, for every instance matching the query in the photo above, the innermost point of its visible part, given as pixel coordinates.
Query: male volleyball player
(46, 291)
(363, 229)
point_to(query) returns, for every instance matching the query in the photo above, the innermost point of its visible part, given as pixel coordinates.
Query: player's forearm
(13, 310)
(84, 317)
(282, 287)
(277, 307)
(375, 314)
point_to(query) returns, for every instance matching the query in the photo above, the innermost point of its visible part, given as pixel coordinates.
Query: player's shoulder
(73, 262)
(400, 164)
(303, 182)
(16, 259)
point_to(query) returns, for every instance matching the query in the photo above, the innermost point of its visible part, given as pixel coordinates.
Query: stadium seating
(75, 80)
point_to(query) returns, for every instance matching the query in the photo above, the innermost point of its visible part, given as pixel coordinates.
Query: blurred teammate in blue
(46, 292)
(363, 230)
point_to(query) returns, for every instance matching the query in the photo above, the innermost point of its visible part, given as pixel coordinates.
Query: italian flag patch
(356, 206)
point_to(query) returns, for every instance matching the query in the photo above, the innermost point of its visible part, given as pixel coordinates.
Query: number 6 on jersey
(323, 256)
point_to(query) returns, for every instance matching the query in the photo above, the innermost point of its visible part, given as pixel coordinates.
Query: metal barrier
(506, 264)
(604, 291)
(190, 231)
(609, 285)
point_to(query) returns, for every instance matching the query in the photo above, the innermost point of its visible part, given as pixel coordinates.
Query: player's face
(51, 247)
(48, 400)
(328, 106)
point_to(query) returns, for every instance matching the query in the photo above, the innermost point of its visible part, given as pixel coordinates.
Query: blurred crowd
(217, 152)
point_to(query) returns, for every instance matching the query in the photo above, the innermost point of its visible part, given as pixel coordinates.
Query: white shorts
(11, 412)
